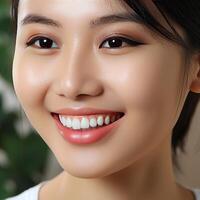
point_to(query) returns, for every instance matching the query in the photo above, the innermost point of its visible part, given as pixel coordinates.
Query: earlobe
(195, 84)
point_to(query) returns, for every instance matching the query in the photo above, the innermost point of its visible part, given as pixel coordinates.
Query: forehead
(77, 11)
(72, 8)
(84, 10)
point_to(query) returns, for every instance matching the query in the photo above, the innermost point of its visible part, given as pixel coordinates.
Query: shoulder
(29, 194)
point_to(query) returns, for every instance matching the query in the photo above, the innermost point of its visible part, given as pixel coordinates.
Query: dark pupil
(46, 43)
(115, 43)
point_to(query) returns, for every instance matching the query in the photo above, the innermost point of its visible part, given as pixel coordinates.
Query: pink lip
(84, 111)
(85, 136)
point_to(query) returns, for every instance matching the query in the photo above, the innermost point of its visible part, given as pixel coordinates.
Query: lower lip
(85, 136)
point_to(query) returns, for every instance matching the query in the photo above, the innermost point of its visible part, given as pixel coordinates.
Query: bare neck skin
(149, 178)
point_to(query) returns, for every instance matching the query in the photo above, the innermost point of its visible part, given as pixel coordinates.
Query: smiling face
(66, 61)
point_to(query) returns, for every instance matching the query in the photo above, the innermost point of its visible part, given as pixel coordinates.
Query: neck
(151, 177)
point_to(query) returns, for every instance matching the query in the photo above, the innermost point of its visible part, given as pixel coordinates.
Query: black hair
(186, 14)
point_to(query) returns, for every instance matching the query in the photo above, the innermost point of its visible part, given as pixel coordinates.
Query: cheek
(148, 83)
(31, 79)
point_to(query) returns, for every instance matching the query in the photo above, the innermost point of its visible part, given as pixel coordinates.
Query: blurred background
(25, 159)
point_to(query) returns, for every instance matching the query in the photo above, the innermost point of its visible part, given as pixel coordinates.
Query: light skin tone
(142, 81)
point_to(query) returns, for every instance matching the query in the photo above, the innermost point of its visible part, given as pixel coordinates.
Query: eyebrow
(108, 19)
(39, 19)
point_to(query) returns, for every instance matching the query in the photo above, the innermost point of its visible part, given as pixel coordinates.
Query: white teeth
(107, 120)
(100, 120)
(62, 119)
(93, 122)
(76, 124)
(84, 123)
(68, 122)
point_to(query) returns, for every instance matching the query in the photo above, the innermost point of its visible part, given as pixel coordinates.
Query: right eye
(42, 43)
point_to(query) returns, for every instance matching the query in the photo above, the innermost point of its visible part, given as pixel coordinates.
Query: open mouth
(87, 121)
(88, 128)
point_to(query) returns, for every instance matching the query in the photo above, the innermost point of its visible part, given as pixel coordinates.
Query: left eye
(42, 43)
(119, 42)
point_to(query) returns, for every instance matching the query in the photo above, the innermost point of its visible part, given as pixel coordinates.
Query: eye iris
(46, 43)
(115, 43)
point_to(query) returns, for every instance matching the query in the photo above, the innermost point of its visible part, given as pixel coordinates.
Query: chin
(87, 171)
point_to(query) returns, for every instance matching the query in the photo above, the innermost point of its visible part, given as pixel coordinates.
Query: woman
(104, 83)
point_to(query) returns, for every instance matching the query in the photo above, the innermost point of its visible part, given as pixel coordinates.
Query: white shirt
(33, 193)
(29, 194)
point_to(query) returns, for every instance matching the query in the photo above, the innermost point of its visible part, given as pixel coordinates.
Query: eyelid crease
(132, 35)
(121, 35)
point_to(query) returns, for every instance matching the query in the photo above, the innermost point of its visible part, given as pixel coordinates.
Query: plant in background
(6, 38)
(22, 157)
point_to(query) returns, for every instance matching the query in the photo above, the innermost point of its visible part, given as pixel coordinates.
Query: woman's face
(78, 66)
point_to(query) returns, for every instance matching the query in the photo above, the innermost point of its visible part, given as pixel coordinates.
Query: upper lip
(84, 111)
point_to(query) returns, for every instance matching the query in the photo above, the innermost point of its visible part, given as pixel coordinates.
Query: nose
(78, 76)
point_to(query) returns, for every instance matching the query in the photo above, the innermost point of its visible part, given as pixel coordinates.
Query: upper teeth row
(85, 122)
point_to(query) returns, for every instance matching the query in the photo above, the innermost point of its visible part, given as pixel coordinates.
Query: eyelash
(130, 42)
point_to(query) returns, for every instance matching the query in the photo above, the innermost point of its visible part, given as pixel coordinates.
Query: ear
(195, 83)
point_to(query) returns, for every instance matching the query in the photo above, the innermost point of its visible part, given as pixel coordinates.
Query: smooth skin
(81, 69)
